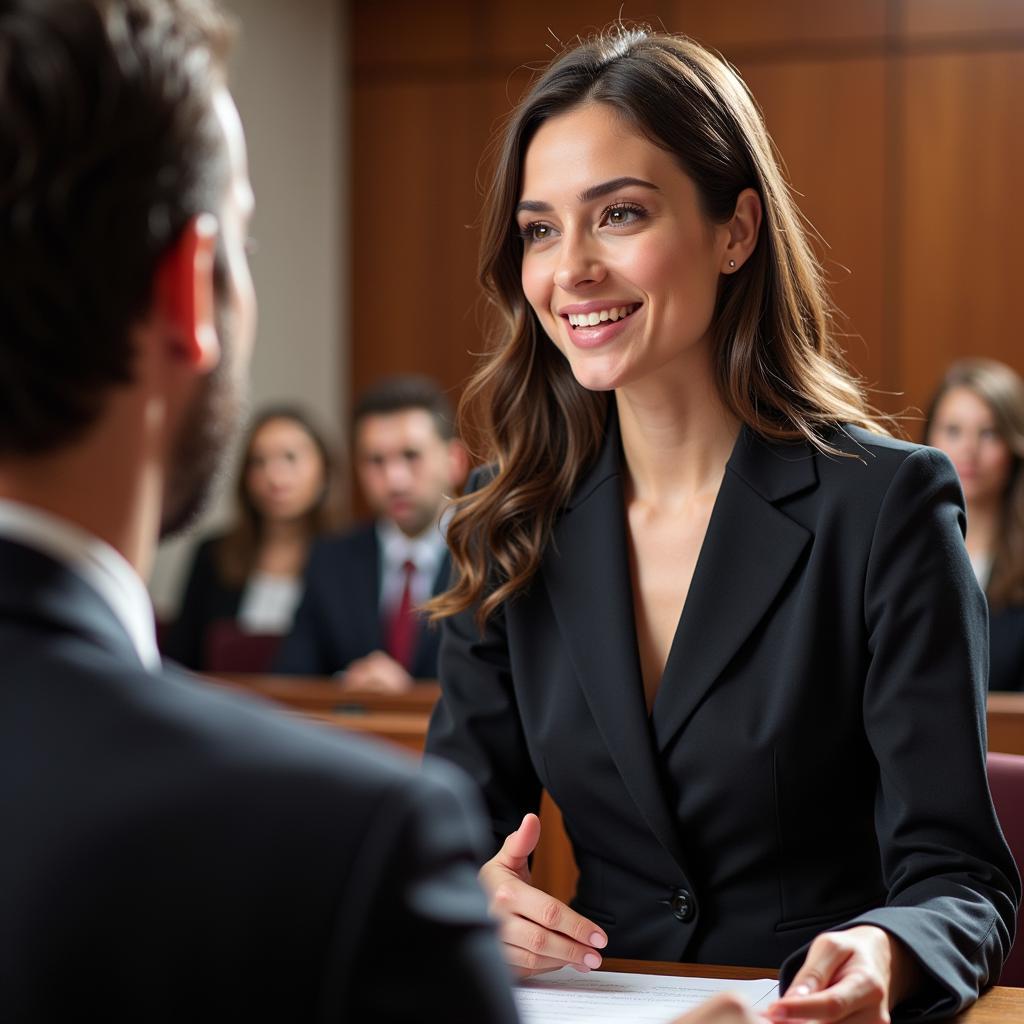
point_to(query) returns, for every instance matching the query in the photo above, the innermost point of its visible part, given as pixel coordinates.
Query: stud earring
(732, 264)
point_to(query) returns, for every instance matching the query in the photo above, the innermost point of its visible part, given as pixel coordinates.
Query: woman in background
(701, 598)
(977, 418)
(244, 585)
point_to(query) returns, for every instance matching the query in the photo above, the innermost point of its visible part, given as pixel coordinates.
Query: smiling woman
(701, 597)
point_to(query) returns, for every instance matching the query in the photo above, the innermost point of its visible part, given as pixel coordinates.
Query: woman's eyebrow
(588, 194)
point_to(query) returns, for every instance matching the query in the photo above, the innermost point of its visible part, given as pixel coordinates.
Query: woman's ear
(184, 298)
(743, 230)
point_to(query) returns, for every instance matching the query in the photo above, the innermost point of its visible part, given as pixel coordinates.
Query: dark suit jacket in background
(338, 619)
(1006, 629)
(173, 853)
(816, 752)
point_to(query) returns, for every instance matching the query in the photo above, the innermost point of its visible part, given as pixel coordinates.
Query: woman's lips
(596, 335)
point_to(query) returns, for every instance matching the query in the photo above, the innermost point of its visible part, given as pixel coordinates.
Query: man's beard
(198, 456)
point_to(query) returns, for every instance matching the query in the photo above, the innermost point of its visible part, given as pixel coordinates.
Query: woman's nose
(579, 264)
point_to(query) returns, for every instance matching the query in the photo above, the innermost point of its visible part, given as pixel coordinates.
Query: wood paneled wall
(899, 121)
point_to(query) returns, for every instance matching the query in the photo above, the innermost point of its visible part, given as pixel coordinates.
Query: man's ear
(184, 298)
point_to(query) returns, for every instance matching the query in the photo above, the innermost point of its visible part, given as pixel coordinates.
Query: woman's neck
(283, 547)
(677, 436)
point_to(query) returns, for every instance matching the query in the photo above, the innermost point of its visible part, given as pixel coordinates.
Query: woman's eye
(536, 232)
(624, 213)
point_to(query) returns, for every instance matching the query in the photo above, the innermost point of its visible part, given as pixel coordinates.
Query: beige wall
(289, 80)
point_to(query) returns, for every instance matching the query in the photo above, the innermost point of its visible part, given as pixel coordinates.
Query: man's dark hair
(409, 391)
(108, 147)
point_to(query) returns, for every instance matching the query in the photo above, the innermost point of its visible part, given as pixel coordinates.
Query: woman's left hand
(855, 976)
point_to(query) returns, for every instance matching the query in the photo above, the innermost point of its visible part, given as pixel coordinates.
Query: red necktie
(403, 626)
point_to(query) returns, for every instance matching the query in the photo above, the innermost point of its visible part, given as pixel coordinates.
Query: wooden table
(996, 1006)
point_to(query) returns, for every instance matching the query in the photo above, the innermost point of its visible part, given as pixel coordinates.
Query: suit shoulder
(876, 459)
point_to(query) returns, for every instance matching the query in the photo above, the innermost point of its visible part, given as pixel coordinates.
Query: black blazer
(172, 852)
(816, 752)
(338, 619)
(206, 599)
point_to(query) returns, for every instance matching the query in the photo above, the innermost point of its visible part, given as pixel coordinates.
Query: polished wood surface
(1006, 723)
(997, 1006)
(315, 693)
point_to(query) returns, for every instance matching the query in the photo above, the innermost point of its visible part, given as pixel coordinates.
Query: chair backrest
(228, 649)
(1006, 780)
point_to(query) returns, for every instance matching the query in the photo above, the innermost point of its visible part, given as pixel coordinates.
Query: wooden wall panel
(961, 267)
(413, 227)
(839, 178)
(748, 24)
(397, 33)
(918, 18)
(536, 30)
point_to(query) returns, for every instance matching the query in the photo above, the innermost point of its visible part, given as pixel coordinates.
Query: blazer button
(681, 904)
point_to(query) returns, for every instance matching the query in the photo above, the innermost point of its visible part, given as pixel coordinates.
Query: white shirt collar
(426, 550)
(107, 571)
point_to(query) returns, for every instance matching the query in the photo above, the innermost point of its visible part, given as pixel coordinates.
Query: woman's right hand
(538, 932)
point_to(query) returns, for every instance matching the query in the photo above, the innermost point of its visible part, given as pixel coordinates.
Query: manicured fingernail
(802, 990)
(598, 940)
(592, 960)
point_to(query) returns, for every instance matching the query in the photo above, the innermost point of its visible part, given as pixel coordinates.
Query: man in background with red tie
(358, 615)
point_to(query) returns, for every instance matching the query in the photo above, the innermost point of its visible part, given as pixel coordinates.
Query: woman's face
(619, 263)
(964, 427)
(284, 471)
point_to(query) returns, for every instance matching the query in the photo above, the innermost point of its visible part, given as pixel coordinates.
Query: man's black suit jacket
(338, 619)
(172, 853)
(816, 751)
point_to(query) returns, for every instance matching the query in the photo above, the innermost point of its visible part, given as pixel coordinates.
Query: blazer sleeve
(953, 888)
(476, 722)
(422, 895)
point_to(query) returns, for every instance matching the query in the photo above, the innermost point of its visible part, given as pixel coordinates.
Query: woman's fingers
(538, 932)
(517, 898)
(845, 977)
(538, 948)
(826, 956)
(856, 997)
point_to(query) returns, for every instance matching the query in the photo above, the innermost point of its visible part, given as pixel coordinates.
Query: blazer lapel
(586, 573)
(749, 552)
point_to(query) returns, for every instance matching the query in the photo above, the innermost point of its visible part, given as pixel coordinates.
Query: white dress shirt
(425, 551)
(107, 571)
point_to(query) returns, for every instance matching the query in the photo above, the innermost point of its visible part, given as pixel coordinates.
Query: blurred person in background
(358, 616)
(977, 418)
(245, 584)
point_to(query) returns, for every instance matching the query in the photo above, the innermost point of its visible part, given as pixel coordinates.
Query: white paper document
(602, 996)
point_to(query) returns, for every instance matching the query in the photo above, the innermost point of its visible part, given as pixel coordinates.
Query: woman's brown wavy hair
(1002, 390)
(776, 361)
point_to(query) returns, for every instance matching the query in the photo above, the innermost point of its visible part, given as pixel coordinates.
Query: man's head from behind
(123, 200)
(406, 453)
